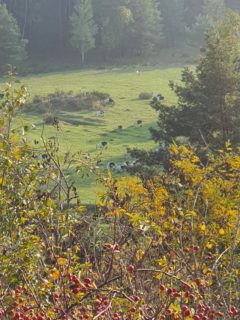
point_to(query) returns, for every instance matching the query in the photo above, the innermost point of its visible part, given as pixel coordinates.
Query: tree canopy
(12, 46)
(122, 29)
(208, 98)
(82, 27)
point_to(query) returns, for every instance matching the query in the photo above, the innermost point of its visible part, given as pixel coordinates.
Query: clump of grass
(145, 96)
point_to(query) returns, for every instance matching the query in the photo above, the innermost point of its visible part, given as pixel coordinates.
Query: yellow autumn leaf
(2, 182)
(195, 159)
(139, 254)
(9, 163)
(16, 153)
(55, 274)
(209, 245)
(15, 138)
(233, 213)
(204, 271)
(176, 308)
(174, 149)
(158, 276)
(81, 209)
(62, 261)
(162, 262)
(49, 202)
(221, 232)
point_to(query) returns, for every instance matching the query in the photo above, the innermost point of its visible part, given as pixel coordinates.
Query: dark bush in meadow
(145, 96)
(66, 101)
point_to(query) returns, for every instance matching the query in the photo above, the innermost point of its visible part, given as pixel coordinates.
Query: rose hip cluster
(79, 286)
(21, 309)
(191, 309)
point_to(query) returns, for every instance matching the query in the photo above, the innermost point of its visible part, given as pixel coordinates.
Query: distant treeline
(105, 29)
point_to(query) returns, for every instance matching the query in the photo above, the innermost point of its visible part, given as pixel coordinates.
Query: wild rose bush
(167, 248)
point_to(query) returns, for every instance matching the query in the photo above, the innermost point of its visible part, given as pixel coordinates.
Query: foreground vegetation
(159, 249)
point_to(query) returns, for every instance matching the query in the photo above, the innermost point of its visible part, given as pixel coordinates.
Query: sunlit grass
(82, 131)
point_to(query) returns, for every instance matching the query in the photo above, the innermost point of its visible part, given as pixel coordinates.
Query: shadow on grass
(77, 120)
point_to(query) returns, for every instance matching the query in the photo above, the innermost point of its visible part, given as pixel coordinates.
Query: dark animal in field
(138, 123)
(120, 127)
(119, 167)
(102, 145)
(131, 164)
(158, 97)
(100, 113)
(111, 165)
(44, 156)
(108, 102)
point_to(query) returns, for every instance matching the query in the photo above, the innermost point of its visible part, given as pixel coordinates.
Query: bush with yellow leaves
(167, 248)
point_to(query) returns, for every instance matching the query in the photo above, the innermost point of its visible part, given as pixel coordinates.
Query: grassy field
(82, 131)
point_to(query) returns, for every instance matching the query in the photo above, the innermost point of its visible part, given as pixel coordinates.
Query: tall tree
(113, 18)
(213, 10)
(173, 21)
(208, 108)
(82, 27)
(146, 29)
(192, 9)
(12, 47)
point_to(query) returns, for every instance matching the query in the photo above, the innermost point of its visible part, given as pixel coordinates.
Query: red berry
(169, 311)
(176, 295)
(133, 310)
(75, 290)
(162, 287)
(135, 298)
(131, 269)
(234, 311)
(169, 291)
(184, 308)
(186, 287)
(88, 280)
(187, 313)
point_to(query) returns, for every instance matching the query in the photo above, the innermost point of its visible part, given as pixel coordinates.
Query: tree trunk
(83, 56)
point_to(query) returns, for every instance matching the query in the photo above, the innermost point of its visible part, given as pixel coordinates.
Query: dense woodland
(103, 30)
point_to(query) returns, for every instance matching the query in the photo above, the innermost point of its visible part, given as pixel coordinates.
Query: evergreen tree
(82, 27)
(213, 10)
(208, 109)
(12, 47)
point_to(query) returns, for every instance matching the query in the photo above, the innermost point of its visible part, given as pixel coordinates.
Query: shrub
(145, 95)
(163, 248)
(65, 101)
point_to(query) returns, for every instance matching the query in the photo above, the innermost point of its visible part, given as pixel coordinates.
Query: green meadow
(82, 131)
